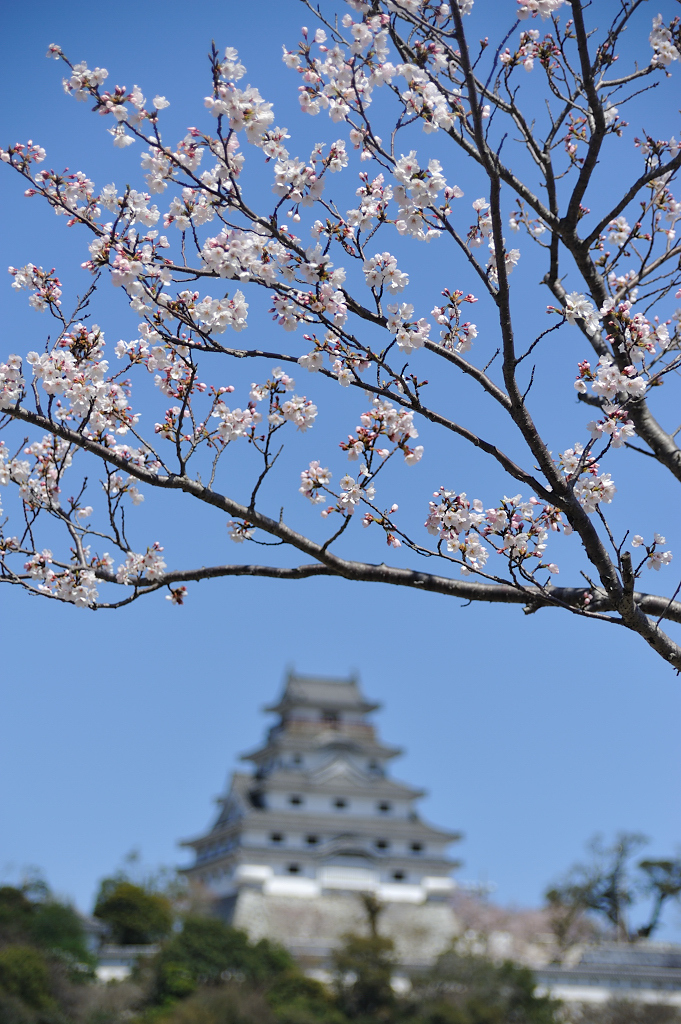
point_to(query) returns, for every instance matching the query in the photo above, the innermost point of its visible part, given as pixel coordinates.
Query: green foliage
(622, 1011)
(24, 974)
(297, 999)
(466, 989)
(228, 1004)
(57, 926)
(135, 915)
(364, 967)
(15, 914)
(14, 1011)
(206, 952)
(44, 922)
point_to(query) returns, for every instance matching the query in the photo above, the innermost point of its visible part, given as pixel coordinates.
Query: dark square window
(382, 844)
(385, 807)
(297, 759)
(296, 800)
(276, 837)
(340, 803)
(398, 876)
(417, 847)
(329, 716)
(312, 840)
(294, 869)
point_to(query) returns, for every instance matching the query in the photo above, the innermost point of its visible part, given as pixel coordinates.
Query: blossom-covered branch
(326, 253)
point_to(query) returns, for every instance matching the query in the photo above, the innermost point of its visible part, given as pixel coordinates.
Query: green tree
(45, 922)
(297, 999)
(135, 915)
(57, 926)
(467, 989)
(24, 973)
(15, 914)
(208, 952)
(607, 887)
(364, 967)
(624, 1011)
(229, 1004)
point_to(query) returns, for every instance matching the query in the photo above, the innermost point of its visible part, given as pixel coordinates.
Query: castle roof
(325, 694)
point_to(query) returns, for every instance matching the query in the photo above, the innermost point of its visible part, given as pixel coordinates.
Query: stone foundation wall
(312, 928)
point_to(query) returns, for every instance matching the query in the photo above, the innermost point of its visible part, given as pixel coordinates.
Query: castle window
(257, 798)
(373, 766)
(296, 800)
(398, 876)
(277, 837)
(312, 840)
(329, 716)
(385, 807)
(416, 848)
(340, 803)
(382, 844)
(294, 869)
(297, 759)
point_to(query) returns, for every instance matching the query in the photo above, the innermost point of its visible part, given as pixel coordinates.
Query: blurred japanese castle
(319, 824)
(319, 819)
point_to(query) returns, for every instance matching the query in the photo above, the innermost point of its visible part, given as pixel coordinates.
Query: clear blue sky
(117, 730)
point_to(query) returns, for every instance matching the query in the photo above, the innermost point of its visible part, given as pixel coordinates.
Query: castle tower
(319, 819)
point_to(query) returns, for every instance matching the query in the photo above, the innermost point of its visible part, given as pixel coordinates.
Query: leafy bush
(466, 989)
(207, 952)
(228, 1004)
(364, 967)
(135, 915)
(622, 1011)
(24, 974)
(297, 999)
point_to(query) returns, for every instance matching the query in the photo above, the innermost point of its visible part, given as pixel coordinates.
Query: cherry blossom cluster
(314, 481)
(590, 487)
(150, 565)
(531, 49)
(39, 480)
(383, 420)
(22, 156)
(70, 195)
(482, 229)
(77, 585)
(546, 8)
(665, 41)
(655, 558)
(46, 288)
(418, 190)
(511, 257)
(233, 423)
(455, 336)
(374, 199)
(297, 409)
(641, 336)
(380, 272)
(330, 81)
(409, 334)
(240, 530)
(353, 492)
(578, 307)
(516, 529)
(607, 381)
(12, 383)
(521, 216)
